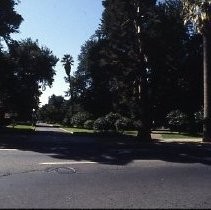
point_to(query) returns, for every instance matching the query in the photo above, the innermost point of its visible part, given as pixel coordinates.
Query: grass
(17, 129)
(22, 127)
(131, 133)
(78, 130)
(164, 134)
(175, 135)
(84, 131)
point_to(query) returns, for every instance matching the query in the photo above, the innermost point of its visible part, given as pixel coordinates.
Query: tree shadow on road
(105, 149)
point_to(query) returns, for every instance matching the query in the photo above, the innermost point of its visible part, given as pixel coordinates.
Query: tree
(133, 65)
(10, 20)
(98, 97)
(68, 61)
(32, 67)
(54, 111)
(199, 13)
(124, 25)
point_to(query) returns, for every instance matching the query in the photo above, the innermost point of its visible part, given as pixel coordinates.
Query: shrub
(101, 124)
(66, 121)
(199, 117)
(123, 124)
(89, 124)
(111, 119)
(138, 124)
(5, 122)
(79, 119)
(177, 120)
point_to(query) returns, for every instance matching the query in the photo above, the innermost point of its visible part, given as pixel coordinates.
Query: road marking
(8, 150)
(68, 163)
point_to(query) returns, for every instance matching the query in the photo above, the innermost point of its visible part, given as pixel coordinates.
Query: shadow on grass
(104, 149)
(10, 130)
(193, 135)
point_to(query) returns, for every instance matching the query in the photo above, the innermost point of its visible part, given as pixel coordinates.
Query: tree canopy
(133, 65)
(10, 20)
(29, 67)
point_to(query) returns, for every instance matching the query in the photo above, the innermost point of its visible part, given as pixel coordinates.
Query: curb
(66, 131)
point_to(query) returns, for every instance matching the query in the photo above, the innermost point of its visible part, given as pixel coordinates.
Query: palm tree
(199, 13)
(68, 61)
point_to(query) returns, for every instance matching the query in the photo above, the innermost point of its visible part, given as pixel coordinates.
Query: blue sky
(61, 25)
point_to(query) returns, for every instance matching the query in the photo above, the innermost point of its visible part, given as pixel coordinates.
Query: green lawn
(131, 133)
(78, 130)
(180, 136)
(164, 135)
(84, 131)
(22, 127)
(17, 129)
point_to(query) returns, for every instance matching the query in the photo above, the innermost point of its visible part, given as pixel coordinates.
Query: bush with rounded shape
(111, 118)
(78, 119)
(66, 121)
(199, 118)
(101, 124)
(123, 124)
(89, 124)
(177, 120)
(138, 124)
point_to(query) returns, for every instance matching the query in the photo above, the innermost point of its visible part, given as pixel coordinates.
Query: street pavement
(53, 169)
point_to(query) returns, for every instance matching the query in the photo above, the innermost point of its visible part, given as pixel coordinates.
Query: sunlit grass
(78, 130)
(131, 133)
(180, 136)
(21, 127)
(84, 131)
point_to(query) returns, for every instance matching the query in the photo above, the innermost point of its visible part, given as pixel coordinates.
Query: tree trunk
(144, 132)
(71, 96)
(207, 85)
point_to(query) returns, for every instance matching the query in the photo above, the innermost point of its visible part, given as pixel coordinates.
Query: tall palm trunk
(71, 96)
(207, 85)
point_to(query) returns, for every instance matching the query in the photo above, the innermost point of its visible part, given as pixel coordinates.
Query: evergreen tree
(10, 20)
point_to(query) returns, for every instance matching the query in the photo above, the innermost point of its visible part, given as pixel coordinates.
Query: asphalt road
(52, 169)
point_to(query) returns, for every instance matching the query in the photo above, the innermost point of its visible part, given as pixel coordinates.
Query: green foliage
(123, 124)
(89, 124)
(25, 68)
(138, 125)
(111, 65)
(111, 118)
(80, 118)
(67, 61)
(199, 118)
(54, 111)
(198, 12)
(101, 124)
(112, 122)
(132, 64)
(177, 120)
(10, 20)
